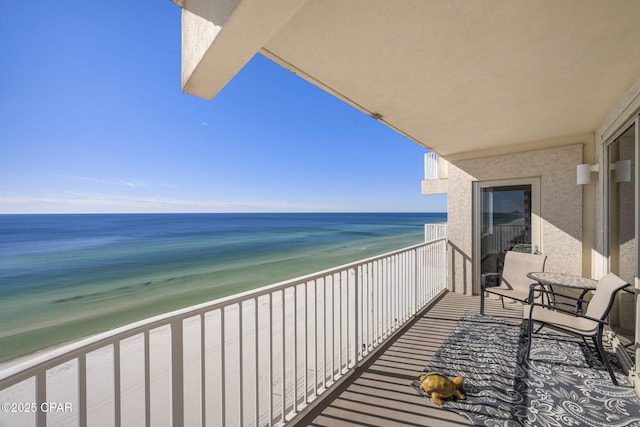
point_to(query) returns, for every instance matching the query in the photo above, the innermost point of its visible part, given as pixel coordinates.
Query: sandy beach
(239, 371)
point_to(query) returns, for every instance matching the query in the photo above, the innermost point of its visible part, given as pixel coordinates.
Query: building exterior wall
(561, 207)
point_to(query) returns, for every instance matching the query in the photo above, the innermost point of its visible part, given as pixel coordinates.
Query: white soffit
(467, 75)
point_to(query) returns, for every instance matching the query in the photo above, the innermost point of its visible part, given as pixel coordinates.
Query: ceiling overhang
(453, 75)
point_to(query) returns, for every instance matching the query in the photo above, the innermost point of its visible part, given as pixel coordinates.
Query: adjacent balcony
(436, 172)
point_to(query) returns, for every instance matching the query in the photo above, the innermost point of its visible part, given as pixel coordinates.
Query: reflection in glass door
(507, 219)
(505, 224)
(623, 245)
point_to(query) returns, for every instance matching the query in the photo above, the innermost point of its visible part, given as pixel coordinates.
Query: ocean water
(63, 277)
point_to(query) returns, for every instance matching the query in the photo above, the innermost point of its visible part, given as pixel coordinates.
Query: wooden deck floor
(379, 393)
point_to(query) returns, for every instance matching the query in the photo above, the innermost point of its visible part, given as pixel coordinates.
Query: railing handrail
(69, 351)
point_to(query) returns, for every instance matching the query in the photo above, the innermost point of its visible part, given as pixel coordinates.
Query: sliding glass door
(622, 182)
(507, 218)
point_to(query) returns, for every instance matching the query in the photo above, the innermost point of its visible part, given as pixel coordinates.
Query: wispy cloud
(76, 202)
(131, 184)
(111, 182)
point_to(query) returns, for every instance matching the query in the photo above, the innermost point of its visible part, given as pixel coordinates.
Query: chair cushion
(601, 301)
(578, 325)
(516, 267)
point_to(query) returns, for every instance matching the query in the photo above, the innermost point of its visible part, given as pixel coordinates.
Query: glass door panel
(623, 245)
(506, 214)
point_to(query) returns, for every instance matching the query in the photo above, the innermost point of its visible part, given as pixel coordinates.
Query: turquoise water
(67, 276)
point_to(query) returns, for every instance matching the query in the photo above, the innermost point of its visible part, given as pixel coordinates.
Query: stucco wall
(561, 207)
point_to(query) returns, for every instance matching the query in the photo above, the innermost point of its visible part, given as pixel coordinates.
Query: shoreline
(68, 284)
(7, 364)
(195, 299)
(100, 372)
(186, 294)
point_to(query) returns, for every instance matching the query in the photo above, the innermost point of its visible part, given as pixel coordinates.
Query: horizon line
(211, 213)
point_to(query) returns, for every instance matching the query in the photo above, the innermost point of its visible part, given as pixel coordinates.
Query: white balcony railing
(435, 231)
(431, 170)
(256, 358)
(499, 238)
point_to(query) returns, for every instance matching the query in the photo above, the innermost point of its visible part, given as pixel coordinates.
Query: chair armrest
(549, 290)
(562, 310)
(553, 293)
(484, 283)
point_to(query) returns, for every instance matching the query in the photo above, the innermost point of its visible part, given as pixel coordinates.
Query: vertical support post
(203, 370)
(371, 306)
(257, 363)
(283, 367)
(147, 380)
(333, 327)
(358, 312)
(340, 322)
(177, 373)
(82, 389)
(223, 371)
(385, 297)
(324, 335)
(270, 359)
(417, 298)
(406, 280)
(41, 397)
(295, 348)
(306, 341)
(241, 367)
(379, 318)
(316, 336)
(402, 276)
(394, 291)
(348, 343)
(116, 383)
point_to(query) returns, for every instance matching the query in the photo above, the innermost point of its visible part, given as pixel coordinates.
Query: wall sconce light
(623, 170)
(583, 173)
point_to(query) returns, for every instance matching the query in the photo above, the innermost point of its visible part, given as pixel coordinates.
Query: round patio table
(566, 281)
(562, 279)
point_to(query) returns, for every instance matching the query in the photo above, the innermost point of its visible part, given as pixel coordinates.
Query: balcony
(339, 347)
(379, 393)
(436, 172)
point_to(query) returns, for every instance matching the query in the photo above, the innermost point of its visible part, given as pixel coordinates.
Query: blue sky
(93, 120)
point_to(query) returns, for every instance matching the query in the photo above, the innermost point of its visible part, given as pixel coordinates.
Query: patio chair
(513, 282)
(588, 324)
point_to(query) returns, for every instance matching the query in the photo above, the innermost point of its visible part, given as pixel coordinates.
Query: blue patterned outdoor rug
(564, 383)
